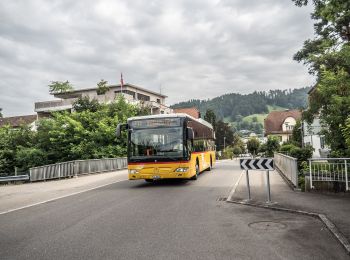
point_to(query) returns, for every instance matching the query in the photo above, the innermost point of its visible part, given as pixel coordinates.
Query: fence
(288, 166)
(329, 170)
(75, 168)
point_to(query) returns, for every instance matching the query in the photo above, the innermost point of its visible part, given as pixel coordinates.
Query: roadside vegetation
(327, 56)
(86, 133)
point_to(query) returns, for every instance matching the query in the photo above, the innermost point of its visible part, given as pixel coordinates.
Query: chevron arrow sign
(257, 164)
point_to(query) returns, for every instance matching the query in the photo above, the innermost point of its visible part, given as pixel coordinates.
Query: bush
(236, 150)
(253, 146)
(302, 154)
(227, 153)
(286, 148)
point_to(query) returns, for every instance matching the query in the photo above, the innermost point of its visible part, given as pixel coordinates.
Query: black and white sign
(257, 164)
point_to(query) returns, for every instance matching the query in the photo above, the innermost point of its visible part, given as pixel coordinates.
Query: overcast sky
(192, 49)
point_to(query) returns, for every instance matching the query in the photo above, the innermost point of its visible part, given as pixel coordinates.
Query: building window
(143, 97)
(158, 100)
(131, 93)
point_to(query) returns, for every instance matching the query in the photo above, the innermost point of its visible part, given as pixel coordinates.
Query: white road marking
(235, 186)
(57, 198)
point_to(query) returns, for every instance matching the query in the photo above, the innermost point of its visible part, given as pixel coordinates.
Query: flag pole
(121, 83)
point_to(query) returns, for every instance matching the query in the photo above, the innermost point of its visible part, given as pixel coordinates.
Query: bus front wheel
(195, 177)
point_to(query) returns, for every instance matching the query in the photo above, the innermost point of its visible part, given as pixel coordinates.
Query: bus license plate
(156, 177)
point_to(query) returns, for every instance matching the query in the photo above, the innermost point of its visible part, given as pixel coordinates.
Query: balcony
(54, 105)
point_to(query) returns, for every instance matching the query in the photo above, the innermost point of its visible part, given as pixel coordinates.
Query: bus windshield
(156, 143)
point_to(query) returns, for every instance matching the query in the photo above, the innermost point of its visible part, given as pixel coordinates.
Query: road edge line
(233, 190)
(57, 198)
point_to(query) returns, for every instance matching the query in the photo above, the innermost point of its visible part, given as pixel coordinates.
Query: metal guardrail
(14, 178)
(75, 168)
(288, 166)
(329, 170)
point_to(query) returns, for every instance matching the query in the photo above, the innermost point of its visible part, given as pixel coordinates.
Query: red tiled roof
(273, 122)
(191, 111)
(16, 121)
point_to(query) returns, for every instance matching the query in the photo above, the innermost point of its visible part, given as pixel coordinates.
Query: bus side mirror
(119, 129)
(190, 133)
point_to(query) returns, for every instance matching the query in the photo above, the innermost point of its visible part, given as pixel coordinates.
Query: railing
(329, 170)
(14, 178)
(75, 168)
(288, 166)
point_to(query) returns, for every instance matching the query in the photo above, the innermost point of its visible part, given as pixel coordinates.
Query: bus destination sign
(159, 122)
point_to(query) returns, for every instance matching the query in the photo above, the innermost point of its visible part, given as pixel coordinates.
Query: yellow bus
(168, 146)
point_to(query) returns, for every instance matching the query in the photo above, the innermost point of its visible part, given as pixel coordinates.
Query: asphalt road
(167, 220)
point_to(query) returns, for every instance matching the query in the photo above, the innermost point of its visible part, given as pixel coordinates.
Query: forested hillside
(234, 107)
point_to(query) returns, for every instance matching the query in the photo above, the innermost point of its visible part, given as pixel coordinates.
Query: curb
(329, 224)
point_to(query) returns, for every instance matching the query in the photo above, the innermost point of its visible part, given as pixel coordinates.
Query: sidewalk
(335, 207)
(14, 196)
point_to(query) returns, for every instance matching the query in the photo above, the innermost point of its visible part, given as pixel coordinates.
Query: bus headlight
(133, 171)
(182, 169)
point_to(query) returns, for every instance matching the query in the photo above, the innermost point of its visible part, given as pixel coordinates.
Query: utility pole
(224, 143)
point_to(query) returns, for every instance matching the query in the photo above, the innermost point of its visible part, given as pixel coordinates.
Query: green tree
(253, 146)
(85, 104)
(332, 31)
(328, 57)
(346, 131)
(57, 87)
(210, 117)
(237, 150)
(102, 87)
(297, 134)
(238, 142)
(87, 133)
(272, 145)
(11, 140)
(0, 112)
(224, 134)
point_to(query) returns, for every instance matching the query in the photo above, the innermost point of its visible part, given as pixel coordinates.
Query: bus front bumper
(164, 171)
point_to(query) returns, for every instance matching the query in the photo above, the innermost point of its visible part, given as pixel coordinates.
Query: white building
(312, 136)
(133, 94)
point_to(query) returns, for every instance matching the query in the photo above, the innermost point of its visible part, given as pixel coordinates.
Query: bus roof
(199, 120)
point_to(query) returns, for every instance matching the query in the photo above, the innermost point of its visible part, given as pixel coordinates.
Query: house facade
(17, 121)
(132, 94)
(281, 124)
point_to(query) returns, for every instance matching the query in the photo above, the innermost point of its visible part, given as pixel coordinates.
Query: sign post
(258, 164)
(248, 186)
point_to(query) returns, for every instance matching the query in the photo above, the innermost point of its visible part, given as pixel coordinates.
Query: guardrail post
(75, 169)
(346, 176)
(310, 174)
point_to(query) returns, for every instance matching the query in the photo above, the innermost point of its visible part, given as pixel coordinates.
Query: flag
(121, 82)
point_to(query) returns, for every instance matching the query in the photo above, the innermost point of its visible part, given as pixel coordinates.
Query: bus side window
(189, 145)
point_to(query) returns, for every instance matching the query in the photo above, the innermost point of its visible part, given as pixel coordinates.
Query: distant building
(133, 94)
(281, 124)
(191, 111)
(17, 121)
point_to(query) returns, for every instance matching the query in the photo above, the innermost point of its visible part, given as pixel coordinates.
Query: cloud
(192, 49)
